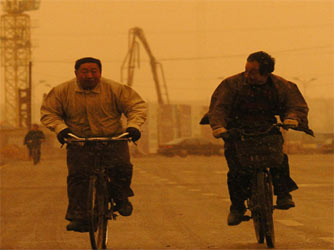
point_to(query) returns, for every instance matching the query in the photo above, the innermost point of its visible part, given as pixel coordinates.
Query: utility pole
(16, 60)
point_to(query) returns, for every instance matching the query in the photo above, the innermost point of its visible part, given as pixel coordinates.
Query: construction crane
(16, 60)
(132, 60)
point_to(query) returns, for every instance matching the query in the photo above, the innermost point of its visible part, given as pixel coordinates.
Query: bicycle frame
(100, 202)
(260, 197)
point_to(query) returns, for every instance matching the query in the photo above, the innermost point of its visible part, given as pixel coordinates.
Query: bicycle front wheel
(269, 207)
(263, 214)
(97, 210)
(256, 209)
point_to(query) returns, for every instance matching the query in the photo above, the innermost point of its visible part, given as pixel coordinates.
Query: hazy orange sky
(198, 42)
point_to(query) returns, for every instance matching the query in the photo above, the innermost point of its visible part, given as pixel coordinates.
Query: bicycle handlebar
(241, 131)
(74, 138)
(276, 125)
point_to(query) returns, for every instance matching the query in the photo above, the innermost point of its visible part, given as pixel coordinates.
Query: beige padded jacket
(94, 112)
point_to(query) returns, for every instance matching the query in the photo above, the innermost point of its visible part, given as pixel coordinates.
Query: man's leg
(78, 163)
(30, 151)
(120, 172)
(283, 185)
(238, 183)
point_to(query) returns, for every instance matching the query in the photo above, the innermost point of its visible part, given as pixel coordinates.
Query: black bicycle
(260, 203)
(258, 152)
(34, 151)
(100, 201)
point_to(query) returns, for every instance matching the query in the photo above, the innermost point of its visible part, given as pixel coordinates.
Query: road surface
(179, 203)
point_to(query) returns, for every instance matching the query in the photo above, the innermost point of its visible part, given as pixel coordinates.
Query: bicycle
(100, 201)
(258, 152)
(34, 151)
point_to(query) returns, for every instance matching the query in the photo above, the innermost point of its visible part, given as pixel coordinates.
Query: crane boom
(133, 56)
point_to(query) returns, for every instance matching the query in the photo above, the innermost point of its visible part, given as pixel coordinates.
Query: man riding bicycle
(92, 106)
(251, 100)
(33, 140)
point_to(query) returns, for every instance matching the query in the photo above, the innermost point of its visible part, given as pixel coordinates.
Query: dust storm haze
(198, 43)
(180, 202)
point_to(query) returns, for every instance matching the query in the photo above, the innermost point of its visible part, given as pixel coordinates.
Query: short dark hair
(267, 63)
(87, 60)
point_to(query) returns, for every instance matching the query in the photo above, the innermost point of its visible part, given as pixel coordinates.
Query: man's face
(252, 74)
(88, 75)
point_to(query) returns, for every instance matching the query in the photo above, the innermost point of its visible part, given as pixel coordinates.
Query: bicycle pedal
(246, 218)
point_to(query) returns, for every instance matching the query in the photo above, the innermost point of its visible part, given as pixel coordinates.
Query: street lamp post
(37, 94)
(304, 82)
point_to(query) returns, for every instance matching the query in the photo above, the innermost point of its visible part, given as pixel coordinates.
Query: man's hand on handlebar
(134, 133)
(290, 123)
(220, 133)
(63, 134)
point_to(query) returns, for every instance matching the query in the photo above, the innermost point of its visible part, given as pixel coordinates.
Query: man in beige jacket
(90, 106)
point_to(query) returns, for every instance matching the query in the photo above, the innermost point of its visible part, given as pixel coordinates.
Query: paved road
(180, 203)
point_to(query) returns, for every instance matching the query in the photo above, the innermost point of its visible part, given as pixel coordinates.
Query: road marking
(315, 185)
(220, 172)
(53, 241)
(328, 239)
(209, 194)
(291, 223)
(155, 177)
(194, 190)
(141, 171)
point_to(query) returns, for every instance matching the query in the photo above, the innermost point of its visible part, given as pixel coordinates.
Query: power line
(241, 55)
(198, 57)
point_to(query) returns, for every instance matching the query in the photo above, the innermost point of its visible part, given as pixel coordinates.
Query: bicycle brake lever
(121, 136)
(73, 136)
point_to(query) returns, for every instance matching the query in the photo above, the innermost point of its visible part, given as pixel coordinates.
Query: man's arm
(296, 108)
(52, 115)
(27, 138)
(220, 107)
(133, 107)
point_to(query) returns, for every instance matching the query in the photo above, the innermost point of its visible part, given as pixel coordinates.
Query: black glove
(63, 134)
(134, 133)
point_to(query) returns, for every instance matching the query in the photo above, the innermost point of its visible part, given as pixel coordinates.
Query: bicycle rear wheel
(97, 208)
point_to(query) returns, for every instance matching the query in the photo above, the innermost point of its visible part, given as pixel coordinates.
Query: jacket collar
(95, 90)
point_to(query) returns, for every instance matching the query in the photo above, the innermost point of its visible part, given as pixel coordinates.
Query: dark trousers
(38, 149)
(238, 179)
(80, 161)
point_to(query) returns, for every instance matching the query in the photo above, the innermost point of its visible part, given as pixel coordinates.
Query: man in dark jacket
(34, 139)
(253, 100)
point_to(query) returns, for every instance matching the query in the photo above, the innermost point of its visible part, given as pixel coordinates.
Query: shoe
(284, 201)
(235, 217)
(124, 207)
(78, 226)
